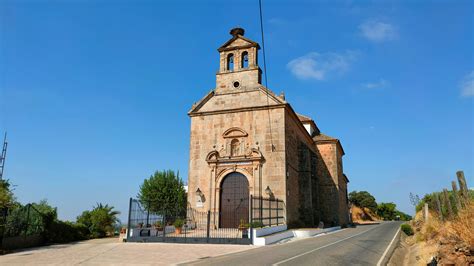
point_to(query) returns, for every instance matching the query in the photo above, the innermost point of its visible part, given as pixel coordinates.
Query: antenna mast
(3, 156)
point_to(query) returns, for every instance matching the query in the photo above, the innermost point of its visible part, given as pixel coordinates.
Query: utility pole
(3, 156)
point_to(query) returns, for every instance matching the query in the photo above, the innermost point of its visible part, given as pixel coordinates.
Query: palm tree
(103, 219)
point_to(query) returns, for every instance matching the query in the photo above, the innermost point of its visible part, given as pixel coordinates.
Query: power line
(263, 44)
(265, 75)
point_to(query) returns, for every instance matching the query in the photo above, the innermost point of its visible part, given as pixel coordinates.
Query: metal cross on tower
(3, 155)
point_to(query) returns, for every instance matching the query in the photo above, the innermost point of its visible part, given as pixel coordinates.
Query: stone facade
(243, 127)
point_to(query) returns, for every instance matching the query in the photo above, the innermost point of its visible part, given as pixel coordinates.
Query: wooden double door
(234, 201)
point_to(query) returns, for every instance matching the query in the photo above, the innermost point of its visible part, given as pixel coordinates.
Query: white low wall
(270, 239)
(303, 233)
(269, 230)
(267, 239)
(267, 235)
(135, 232)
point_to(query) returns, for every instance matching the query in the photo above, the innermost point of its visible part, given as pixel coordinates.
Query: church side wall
(207, 135)
(302, 197)
(327, 168)
(343, 208)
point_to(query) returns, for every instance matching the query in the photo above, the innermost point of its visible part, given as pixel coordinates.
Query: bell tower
(238, 68)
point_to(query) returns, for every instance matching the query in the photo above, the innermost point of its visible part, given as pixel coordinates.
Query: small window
(245, 59)
(234, 147)
(230, 62)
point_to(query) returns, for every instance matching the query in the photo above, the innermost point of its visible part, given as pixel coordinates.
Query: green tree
(403, 216)
(7, 199)
(363, 199)
(163, 193)
(85, 219)
(387, 211)
(100, 220)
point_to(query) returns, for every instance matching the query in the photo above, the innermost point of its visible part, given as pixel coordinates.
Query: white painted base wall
(135, 232)
(270, 235)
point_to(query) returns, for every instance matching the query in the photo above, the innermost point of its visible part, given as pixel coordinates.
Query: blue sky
(95, 95)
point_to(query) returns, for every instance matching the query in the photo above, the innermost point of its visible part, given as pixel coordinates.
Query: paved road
(363, 245)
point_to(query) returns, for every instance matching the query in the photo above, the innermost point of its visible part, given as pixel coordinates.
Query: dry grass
(461, 229)
(451, 241)
(425, 231)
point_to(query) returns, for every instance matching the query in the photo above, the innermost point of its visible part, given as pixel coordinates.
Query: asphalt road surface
(363, 245)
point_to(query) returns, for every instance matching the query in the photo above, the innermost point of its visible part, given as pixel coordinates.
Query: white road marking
(389, 245)
(325, 246)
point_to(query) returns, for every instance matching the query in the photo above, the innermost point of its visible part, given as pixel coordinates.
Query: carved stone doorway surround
(234, 156)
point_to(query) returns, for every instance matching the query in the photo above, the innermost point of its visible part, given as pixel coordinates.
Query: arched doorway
(234, 201)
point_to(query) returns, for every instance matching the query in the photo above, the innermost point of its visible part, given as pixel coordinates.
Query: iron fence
(187, 225)
(22, 227)
(23, 221)
(267, 211)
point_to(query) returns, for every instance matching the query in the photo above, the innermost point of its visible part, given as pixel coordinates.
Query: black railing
(185, 225)
(22, 227)
(23, 221)
(267, 211)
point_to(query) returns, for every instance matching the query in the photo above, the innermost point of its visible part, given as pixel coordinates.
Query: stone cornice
(235, 37)
(201, 102)
(240, 70)
(232, 48)
(237, 110)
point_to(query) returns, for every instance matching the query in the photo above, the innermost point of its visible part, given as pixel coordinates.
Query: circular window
(236, 84)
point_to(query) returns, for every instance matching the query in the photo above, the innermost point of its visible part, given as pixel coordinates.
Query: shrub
(158, 224)
(407, 229)
(178, 223)
(257, 224)
(63, 232)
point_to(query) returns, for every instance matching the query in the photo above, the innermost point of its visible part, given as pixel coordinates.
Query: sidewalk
(110, 251)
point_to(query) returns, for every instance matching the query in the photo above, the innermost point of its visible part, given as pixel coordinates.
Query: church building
(248, 141)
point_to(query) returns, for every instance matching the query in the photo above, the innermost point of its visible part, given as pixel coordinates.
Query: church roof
(345, 177)
(263, 99)
(322, 137)
(304, 118)
(237, 33)
(308, 120)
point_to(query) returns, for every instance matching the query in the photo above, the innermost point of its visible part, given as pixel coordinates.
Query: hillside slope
(363, 215)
